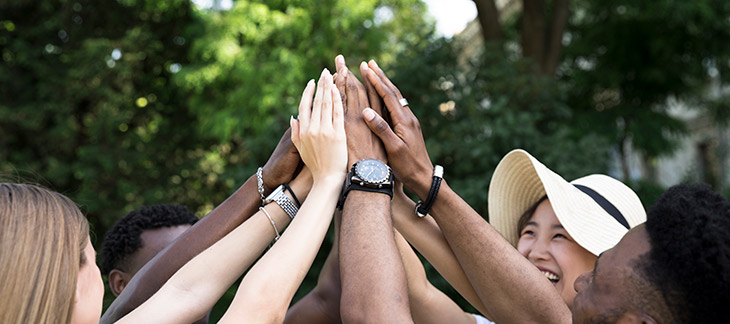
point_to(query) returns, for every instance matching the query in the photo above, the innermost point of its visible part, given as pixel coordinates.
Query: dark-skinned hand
(283, 165)
(403, 141)
(361, 142)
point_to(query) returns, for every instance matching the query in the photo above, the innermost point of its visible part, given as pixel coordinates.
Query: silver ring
(403, 102)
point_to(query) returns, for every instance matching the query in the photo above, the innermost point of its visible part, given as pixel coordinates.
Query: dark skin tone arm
(280, 168)
(370, 263)
(511, 288)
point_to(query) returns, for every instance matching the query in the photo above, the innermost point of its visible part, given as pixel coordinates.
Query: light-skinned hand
(319, 133)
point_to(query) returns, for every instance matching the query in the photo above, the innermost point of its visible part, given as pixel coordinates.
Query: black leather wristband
(288, 188)
(423, 208)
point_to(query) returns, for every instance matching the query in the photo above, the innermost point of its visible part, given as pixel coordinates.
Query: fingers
(294, 124)
(374, 66)
(318, 98)
(338, 118)
(326, 109)
(305, 106)
(341, 79)
(381, 128)
(373, 97)
(395, 109)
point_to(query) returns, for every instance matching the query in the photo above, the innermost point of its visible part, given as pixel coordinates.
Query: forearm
(222, 220)
(427, 303)
(195, 288)
(511, 288)
(267, 290)
(370, 263)
(322, 304)
(426, 237)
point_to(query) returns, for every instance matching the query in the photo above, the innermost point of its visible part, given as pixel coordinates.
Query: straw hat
(596, 210)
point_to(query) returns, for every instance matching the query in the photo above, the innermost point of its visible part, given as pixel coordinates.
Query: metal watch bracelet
(260, 184)
(284, 202)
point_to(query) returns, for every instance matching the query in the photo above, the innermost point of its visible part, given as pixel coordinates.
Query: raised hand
(282, 164)
(403, 142)
(319, 134)
(361, 142)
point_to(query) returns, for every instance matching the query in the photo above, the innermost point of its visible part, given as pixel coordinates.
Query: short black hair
(689, 260)
(124, 238)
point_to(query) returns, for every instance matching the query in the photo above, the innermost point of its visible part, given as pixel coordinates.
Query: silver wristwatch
(284, 202)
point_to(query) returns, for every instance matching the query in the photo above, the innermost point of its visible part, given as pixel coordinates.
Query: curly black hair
(124, 238)
(689, 260)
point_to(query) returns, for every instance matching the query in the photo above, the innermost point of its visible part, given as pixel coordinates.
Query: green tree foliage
(627, 59)
(119, 104)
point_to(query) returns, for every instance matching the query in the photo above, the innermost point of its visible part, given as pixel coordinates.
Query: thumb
(381, 128)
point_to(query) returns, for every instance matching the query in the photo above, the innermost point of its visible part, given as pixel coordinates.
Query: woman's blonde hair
(42, 237)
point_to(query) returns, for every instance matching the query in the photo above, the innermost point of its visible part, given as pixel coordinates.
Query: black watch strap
(354, 186)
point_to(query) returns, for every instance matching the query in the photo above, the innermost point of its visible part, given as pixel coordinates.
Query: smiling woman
(559, 226)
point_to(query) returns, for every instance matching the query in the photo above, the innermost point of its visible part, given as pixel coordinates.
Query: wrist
(334, 178)
(421, 185)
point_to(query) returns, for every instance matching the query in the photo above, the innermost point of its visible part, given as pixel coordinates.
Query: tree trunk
(533, 29)
(554, 44)
(488, 16)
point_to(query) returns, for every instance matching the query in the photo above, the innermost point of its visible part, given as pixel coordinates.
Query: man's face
(604, 293)
(153, 241)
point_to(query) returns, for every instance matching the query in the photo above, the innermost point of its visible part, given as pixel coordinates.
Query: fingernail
(324, 71)
(340, 58)
(374, 63)
(364, 65)
(368, 113)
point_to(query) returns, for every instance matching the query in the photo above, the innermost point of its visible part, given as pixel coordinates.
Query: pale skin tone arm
(267, 290)
(374, 287)
(426, 237)
(197, 286)
(322, 304)
(280, 168)
(511, 288)
(428, 304)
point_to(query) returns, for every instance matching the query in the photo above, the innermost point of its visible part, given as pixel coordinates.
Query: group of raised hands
(353, 138)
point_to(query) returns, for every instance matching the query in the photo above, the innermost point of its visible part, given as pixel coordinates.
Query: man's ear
(636, 318)
(118, 279)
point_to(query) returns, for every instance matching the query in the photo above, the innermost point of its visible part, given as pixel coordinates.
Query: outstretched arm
(197, 286)
(509, 286)
(267, 289)
(426, 237)
(322, 304)
(428, 304)
(223, 219)
(373, 279)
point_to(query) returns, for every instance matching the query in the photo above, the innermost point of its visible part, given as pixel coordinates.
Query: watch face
(372, 171)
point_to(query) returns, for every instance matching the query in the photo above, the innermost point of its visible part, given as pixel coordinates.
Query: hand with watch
(370, 263)
(404, 141)
(366, 155)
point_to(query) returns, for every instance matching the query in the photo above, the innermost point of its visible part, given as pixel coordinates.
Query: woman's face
(89, 290)
(546, 244)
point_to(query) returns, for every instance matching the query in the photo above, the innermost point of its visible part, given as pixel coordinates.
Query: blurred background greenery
(124, 103)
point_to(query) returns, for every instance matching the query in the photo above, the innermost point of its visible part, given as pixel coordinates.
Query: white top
(481, 319)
